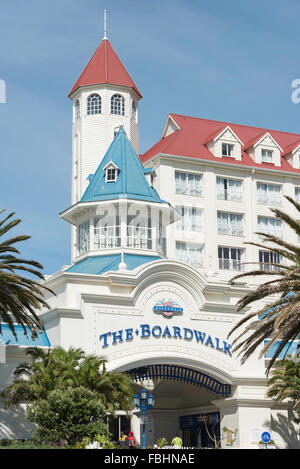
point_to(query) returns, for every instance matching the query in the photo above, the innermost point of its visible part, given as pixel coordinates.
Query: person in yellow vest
(123, 439)
(177, 441)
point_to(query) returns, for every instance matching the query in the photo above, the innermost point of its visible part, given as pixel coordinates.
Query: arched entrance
(183, 403)
(180, 374)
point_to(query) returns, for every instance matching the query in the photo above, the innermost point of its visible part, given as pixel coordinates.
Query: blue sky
(230, 60)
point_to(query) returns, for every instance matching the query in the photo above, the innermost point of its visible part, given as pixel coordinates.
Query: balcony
(112, 237)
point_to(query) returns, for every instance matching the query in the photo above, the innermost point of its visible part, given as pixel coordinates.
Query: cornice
(58, 313)
(220, 163)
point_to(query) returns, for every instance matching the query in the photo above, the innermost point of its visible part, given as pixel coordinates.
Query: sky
(226, 60)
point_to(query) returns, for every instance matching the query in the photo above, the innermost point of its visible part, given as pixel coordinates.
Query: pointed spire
(105, 67)
(130, 182)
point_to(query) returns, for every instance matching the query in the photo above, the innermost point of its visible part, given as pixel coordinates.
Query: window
(230, 224)
(111, 172)
(94, 104)
(84, 237)
(189, 253)
(188, 183)
(227, 149)
(133, 111)
(118, 105)
(297, 194)
(229, 189)
(111, 175)
(106, 233)
(77, 110)
(230, 258)
(268, 194)
(191, 219)
(266, 258)
(266, 156)
(270, 225)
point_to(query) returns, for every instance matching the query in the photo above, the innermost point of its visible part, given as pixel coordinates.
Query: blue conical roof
(131, 182)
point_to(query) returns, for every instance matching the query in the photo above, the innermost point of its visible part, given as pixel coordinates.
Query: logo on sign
(266, 437)
(168, 308)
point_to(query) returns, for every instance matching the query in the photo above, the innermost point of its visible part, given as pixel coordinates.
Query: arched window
(77, 110)
(94, 104)
(118, 105)
(133, 115)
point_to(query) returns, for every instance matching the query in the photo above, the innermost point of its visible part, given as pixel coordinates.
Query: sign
(168, 308)
(164, 333)
(266, 437)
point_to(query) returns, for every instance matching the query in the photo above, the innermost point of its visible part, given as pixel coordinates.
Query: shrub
(68, 416)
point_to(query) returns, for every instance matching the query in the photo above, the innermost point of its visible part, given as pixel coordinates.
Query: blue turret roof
(131, 182)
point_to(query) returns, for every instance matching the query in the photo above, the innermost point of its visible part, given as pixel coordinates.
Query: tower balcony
(91, 239)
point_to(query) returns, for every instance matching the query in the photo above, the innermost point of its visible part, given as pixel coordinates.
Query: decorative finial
(122, 265)
(105, 36)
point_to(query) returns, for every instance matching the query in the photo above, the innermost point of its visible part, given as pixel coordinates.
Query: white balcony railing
(137, 237)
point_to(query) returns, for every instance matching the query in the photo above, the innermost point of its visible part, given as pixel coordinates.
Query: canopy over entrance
(181, 374)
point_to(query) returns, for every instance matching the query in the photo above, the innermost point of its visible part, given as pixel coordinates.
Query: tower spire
(105, 35)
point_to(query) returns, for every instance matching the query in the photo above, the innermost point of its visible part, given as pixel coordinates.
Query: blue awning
(7, 337)
(288, 349)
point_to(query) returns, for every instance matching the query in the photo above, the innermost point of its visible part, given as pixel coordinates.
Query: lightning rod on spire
(105, 35)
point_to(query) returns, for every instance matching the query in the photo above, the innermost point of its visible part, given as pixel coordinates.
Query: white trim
(214, 139)
(267, 134)
(170, 118)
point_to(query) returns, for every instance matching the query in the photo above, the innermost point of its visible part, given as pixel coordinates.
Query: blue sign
(266, 437)
(167, 308)
(174, 333)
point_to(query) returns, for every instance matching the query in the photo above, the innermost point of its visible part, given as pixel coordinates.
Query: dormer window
(111, 175)
(111, 172)
(225, 143)
(227, 149)
(266, 156)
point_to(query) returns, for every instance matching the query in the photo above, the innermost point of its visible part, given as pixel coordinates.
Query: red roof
(194, 133)
(105, 67)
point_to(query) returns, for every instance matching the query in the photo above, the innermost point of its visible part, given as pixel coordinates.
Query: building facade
(155, 240)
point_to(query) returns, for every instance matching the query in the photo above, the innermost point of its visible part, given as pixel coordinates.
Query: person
(123, 440)
(177, 441)
(131, 440)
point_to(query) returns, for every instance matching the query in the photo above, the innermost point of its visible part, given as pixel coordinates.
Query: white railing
(107, 237)
(230, 264)
(137, 237)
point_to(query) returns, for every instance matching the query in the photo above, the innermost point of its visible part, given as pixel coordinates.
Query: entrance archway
(183, 403)
(180, 374)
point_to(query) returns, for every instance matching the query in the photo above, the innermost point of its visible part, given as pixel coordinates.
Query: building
(155, 239)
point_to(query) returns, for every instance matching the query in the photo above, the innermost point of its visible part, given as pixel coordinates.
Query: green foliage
(20, 296)
(284, 384)
(67, 415)
(28, 444)
(278, 320)
(161, 442)
(63, 373)
(63, 369)
(104, 442)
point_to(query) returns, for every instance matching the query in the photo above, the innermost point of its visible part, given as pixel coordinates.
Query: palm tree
(61, 369)
(284, 383)
(20, 297)
(280, 319)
